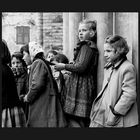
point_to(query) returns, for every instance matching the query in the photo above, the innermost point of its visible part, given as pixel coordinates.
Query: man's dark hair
(25, 48)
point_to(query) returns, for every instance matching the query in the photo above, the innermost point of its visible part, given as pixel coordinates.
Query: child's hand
(113, 118)
(25, 98)
(21, 97)
(56, 74)
(59, 66)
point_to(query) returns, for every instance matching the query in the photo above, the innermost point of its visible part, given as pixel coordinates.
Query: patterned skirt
(78, 95)
(13, 117)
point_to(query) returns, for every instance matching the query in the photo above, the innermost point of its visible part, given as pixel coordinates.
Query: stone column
(104, 28)
(74, 19)
(127, 26)
(40, 28)
(124, 27)
(66, 33)
(135, 40)
(135, 54)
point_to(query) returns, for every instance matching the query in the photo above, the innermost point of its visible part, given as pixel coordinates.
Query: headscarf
(35, 48)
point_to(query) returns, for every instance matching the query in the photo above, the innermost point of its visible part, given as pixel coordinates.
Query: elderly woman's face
(109, 52)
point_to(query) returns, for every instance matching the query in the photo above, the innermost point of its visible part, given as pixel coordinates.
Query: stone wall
(52, 30)
(12, 19)
(45, 28)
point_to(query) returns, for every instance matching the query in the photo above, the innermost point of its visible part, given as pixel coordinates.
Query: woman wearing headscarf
(44, 107)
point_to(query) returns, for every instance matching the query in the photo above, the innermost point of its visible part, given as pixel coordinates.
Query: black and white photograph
(70, 70)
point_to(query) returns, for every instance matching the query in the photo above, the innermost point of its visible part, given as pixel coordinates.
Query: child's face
(109, 52)
(16, 63)
(26, 58)
(50, 55)
(84, 33)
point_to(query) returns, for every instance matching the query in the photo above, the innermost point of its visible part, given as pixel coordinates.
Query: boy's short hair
(52, 51)
(118, 43)
(60, 58)
(25, 48)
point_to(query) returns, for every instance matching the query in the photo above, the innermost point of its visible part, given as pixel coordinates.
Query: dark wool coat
(9, 90)
(22, 82)
(44, 107)
(81, 85)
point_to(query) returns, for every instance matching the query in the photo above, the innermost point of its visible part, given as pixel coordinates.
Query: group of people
(50, 91)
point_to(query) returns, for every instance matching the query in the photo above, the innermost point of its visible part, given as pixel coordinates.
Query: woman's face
(109, 52)
(26, 58)
(16, 63)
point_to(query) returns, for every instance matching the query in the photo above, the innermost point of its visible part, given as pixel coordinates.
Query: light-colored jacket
(122, 88)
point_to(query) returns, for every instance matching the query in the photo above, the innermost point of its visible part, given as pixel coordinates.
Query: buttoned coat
(121, 81)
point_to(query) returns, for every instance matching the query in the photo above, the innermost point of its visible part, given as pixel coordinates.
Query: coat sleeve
(38, 81)
(128, 96)
(27, 83)
(84, 59)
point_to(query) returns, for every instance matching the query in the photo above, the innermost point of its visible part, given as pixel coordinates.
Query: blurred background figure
(19, 68)
(26, 56)
(60, 76)
(12, 112)
(50, 54)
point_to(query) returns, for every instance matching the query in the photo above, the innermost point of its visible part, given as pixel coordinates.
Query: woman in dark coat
(12, 113)
(44, 107)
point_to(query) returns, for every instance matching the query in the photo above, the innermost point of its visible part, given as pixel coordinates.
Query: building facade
(18, 28)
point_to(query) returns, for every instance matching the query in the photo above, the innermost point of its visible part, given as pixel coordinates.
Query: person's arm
(81, 65)
(38, 81)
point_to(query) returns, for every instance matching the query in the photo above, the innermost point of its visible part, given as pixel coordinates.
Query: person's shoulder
(37, 63)
(127, 65)
(92, 45)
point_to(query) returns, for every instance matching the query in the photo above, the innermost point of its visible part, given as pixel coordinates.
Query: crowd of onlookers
(46, 90)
